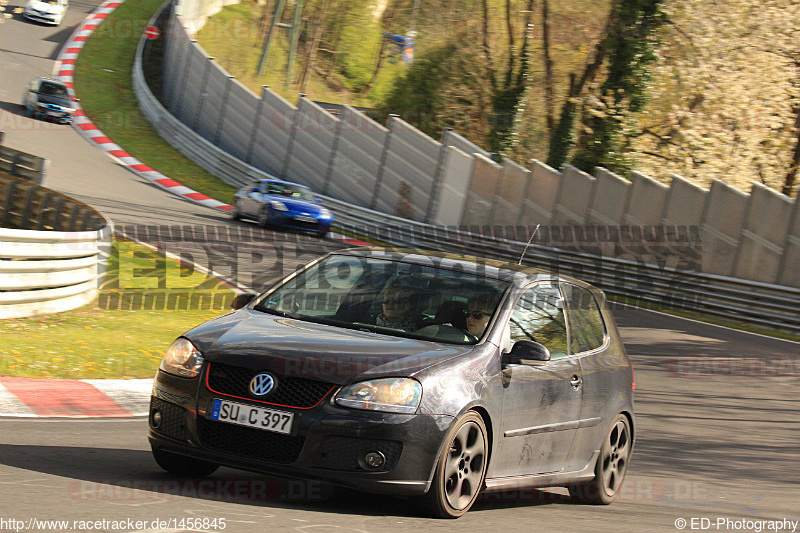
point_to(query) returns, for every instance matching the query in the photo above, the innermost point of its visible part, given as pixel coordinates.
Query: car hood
(295, 205)
(289, 347)
(44, 7)
(45, 99)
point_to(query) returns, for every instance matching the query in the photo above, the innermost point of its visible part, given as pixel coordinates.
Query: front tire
(461, 468)
(182, 465)
(609, 472)
(263, 217)
(236, 214)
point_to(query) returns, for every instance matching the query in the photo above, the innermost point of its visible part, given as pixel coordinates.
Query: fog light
(374, 459)
(156, 419)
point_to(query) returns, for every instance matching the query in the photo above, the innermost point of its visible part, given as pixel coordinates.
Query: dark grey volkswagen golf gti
(406, 373)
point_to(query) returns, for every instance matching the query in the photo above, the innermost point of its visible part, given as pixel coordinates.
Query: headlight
(182, 359)
(279, 206)
(324, 213)
(392, 395)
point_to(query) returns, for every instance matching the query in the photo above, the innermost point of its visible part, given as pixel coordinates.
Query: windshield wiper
(272, 311)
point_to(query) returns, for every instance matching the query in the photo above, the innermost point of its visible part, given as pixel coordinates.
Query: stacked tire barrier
(52, 250)
(21, 165)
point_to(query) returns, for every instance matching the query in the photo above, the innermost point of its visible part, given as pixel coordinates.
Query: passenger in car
(478, 312)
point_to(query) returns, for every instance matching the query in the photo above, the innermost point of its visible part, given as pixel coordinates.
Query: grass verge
(114, 338)
(103, 83)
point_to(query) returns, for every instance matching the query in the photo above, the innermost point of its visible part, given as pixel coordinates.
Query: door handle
(575, 382)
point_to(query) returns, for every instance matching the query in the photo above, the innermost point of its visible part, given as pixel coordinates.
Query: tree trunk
(311, 58)
(549, 92)
(377, 70)
(561, 142)
(791, 176)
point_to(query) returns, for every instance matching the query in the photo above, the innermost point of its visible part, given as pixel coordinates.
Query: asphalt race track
(717, 419)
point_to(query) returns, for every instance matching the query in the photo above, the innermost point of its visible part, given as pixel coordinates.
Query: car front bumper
(327, 443)
(44, 18)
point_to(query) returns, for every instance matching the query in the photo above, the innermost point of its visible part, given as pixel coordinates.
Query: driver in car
(398, 309)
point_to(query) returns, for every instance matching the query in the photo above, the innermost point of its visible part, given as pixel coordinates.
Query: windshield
(51, 89)
(390, 297)
(289, 190)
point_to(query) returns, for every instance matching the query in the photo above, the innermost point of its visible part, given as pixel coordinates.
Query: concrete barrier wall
(240, 114)
(511, 188)
(722, 220)
(537, 207)
(766, 226)
(646, 201)
(789, 272)
(452, 182)
(357, 160)
(411, 159)
(684, 203)
(575, 189)
(485, 175)
(609, 200)
(313, 136)
(458, 170)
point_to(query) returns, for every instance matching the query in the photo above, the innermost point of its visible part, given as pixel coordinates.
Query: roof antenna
(529, 243)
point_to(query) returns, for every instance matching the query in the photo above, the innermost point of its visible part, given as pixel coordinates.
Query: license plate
(304, 218)
(251, 416)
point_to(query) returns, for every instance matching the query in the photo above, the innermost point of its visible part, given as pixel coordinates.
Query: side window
(539, 316)
(587, 329)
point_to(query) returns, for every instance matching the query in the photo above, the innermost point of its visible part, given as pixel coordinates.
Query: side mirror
(242, 299)
(527, 352)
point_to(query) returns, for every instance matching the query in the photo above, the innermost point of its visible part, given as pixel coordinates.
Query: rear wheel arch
(629, 416)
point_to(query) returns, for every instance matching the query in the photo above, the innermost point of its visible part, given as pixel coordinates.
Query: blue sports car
(282, 203)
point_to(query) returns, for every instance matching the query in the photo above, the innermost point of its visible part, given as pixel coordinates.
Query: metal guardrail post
(26, 211)
(256, 123)
(57, 212)
(9, 204)
(182, 53)
(382, 165)
(290, 145)
(48, 197)
(203, 93)
(436, 186)
(184, 76)
(332, 159)
(221, 120)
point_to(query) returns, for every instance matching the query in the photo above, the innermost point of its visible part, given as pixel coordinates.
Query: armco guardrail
(21, 165)
(52, 250)
(641, 284)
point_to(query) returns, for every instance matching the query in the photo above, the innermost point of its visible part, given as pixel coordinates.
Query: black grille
(173, 419)
(292, 392)
(343, 453)
(247, 442)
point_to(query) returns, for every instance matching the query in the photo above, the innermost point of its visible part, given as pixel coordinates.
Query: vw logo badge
(262, 384)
